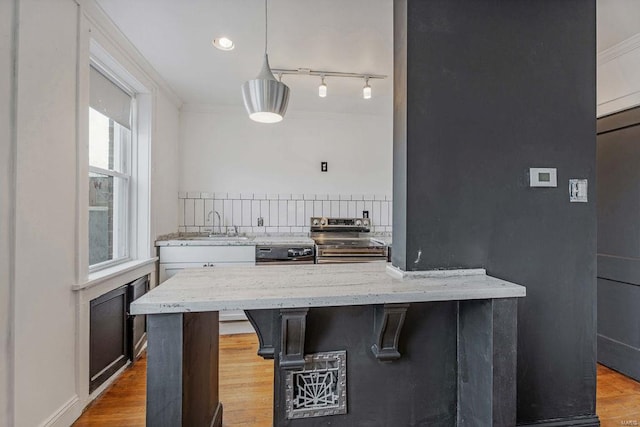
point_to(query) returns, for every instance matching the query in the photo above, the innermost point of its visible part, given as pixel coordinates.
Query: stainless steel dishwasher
(280, 254)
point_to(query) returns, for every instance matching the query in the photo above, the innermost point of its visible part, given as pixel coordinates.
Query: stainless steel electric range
(342, 240)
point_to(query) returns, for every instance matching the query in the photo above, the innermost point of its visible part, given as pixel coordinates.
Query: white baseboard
(65, 415)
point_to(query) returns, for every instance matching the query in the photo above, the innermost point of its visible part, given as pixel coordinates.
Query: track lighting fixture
(322, 88)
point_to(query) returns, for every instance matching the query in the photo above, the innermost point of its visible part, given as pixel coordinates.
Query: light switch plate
(543, 177)
(578, 189)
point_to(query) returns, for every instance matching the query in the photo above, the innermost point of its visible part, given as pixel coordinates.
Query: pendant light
(322, 89)
(265, 98)
(366, 90)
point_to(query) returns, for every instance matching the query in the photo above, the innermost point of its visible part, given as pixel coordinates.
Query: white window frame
(119, 69)
(128, 177)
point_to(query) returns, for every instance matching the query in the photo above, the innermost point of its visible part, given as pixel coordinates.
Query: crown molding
(109, 29)
(620, 49)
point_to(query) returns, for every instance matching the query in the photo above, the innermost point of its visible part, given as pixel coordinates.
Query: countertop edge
(507, 290)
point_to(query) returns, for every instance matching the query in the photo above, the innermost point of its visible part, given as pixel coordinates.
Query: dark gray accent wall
(399, 249)
(494, 87)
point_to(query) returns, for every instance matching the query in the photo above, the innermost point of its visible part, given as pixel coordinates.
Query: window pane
(108, 196)
(109, 143)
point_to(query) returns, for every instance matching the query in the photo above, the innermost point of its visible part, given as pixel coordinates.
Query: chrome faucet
(219, 222)
(213, 224)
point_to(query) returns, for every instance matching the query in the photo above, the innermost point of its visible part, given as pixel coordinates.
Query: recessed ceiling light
(223, 43)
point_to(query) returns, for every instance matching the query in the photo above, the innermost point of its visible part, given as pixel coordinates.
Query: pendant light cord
(266, 25)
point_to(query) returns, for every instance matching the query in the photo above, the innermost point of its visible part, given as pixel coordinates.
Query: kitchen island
(353, 345)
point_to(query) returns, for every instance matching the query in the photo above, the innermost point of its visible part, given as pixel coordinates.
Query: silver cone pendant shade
(265, 98)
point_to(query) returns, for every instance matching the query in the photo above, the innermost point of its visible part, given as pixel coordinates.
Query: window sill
(101, 276)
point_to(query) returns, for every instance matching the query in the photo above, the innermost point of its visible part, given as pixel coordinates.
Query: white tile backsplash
(375, 213)
(335, 208)
(326, 208)
(300, 215)
(273, 213)
(246, 213)
(189, 212)
(227, 212)
(181, 211)
(344, 209)
(384, 213)
(291, 213)
(255, 212)
(308, 212)
(208, 212)
(198, 212)
(351, 209)
(264, 211)
(280, 212)
(359, 208)
(237, 213)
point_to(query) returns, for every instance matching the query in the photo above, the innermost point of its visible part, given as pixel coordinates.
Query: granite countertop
(320, 285)
(236, 240)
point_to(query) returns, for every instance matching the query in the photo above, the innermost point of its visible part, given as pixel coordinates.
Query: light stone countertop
(231, 241)
(319, 285)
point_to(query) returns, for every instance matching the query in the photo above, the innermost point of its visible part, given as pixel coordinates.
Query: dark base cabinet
(115, 337)
(137, 325)
(108, 342)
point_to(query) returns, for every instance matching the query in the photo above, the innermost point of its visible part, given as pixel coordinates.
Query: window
(110, 179)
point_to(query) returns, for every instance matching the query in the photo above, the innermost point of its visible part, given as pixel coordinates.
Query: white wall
(45, 210)
(619, 76)
(49, 388)
(164, 169)
(222, 150)
(6, 204)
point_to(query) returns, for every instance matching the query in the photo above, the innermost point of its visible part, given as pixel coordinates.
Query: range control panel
(344, 224)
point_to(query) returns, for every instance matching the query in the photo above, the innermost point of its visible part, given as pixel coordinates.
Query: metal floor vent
(320, 388)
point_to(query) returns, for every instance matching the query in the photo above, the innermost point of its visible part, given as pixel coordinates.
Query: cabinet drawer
(207, 254)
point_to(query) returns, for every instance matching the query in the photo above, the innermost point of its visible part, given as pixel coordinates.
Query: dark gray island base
(455, 362)
(435, 362)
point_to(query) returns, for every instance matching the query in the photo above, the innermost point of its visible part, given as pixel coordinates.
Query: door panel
(618, 202)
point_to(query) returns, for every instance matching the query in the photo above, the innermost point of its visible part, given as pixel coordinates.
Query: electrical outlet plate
(578, 189)
(324, 166)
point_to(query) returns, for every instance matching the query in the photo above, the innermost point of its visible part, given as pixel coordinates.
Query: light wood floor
(246, 382)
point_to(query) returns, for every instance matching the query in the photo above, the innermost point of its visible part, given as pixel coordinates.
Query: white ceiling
(336, 35)
(617, 20)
